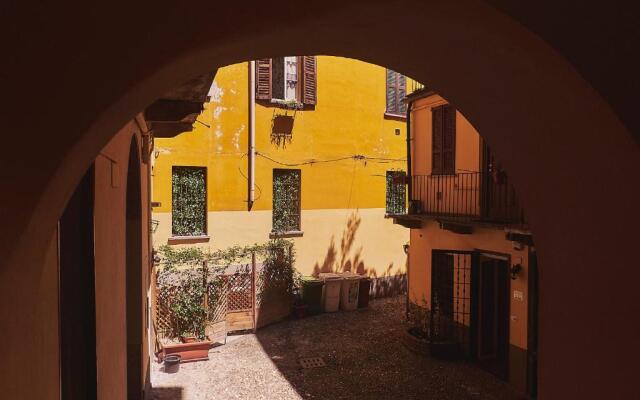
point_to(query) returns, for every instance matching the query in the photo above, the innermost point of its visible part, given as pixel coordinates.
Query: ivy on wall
(286, 200)
(189, 201)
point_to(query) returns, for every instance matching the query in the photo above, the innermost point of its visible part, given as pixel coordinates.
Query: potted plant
(182, 291)
(416, 336)
(279, 281)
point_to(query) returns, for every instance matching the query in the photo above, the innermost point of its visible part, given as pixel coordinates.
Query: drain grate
(312, 362)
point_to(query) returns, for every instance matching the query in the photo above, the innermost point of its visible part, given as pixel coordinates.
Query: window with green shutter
(189, 201)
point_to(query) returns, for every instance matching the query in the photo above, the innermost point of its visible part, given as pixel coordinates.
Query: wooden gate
(241, 299)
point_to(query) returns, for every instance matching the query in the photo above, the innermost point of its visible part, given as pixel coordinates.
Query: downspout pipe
(409, 186)
(251, 150)
(409, 179)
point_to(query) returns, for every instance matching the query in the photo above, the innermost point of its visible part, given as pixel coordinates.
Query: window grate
(396, 193)
(451, 298)
(286, 200)
(189, 201)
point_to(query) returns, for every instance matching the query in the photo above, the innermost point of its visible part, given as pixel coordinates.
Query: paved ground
(364, 356)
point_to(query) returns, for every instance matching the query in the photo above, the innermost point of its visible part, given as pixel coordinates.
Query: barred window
(189, 201)
(396, 192)
(286, 200)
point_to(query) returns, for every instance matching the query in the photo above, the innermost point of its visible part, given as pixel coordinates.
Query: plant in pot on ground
(190, 281)
(280, 280)
(417, 335)
(184, 282)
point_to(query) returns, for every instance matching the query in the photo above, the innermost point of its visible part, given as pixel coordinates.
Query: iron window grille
(396, 193)
(286, 200)
(189, 201)
(450, 317)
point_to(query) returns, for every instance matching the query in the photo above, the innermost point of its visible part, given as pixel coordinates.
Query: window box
(295, 105)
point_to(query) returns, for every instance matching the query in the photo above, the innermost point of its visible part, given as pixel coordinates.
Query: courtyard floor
(364, 359)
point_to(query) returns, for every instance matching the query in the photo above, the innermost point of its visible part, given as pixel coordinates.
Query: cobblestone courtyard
(364, 358)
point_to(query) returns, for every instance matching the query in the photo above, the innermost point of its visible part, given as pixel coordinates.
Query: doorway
(134, 299)
(492, 313)
(76, 280)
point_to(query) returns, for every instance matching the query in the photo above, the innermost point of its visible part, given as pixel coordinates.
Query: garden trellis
(196, 288)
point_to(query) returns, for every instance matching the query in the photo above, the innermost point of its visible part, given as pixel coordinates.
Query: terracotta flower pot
(188, 339)
(415, 343)
(194, 351)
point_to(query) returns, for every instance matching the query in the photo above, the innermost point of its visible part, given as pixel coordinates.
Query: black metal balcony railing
(466, 197)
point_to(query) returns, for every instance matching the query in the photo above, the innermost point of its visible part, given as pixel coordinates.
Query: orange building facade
(472, 265)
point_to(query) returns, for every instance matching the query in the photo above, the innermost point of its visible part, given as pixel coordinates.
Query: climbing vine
(191, 278)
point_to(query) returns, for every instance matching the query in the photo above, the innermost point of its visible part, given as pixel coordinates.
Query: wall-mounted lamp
(406, 248)
(515, 271)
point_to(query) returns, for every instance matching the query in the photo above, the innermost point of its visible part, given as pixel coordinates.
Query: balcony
(464, 198)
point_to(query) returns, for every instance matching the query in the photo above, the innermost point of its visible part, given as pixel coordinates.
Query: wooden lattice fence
(235, 297)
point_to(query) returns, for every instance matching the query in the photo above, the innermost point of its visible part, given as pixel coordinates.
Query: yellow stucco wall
(334, 239)
(348, 120)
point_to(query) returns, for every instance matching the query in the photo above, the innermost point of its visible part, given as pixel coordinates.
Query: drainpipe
(409, 186)
(251, 153)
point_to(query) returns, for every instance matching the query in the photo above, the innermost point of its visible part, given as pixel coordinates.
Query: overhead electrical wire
(355, 157)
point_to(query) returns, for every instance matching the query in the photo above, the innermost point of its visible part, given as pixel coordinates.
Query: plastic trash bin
(312, 294)
(349, 292)
(363, 292)
(331, 291)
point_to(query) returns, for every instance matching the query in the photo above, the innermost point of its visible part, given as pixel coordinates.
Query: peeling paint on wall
(215, 93)
(236, 137)
(217, 111)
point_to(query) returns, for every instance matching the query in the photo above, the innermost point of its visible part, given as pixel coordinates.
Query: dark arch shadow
(134, 281)
(529, 103)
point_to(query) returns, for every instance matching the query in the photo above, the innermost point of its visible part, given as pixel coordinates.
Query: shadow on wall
(345, 259)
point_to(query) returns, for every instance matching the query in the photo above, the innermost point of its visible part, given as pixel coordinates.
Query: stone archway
(570, 157)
